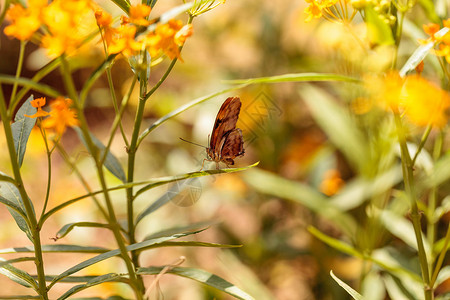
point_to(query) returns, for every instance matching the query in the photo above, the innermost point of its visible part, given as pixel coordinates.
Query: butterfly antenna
(192, 143)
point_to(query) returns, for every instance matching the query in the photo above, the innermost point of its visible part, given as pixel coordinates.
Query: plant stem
(94, 151)
(408, 179)
(32, 221)
(19, 68)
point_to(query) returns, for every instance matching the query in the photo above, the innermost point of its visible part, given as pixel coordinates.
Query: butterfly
(227, 141)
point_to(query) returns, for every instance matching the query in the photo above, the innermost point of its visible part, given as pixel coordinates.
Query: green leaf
(19, 276)
(38, 87)
(181, 229)
(21, 128)
(123, 5)
(93, 282)
(16, 297)
(373, 287)
(172, 192)
(111, 162)
(112, 253)
(200, 276)
(443, 275)
(355, 295)
(11, 197)
(295, 77)
(403, 229)
(378, 31)
(440, 173)
(183, 108)
(191, 244)
(14, 260)
(275, 185)
(4, 177)
(335, 243)
(56, 249)
(339, 126)
(68, 227)
(167, 179)
(360, 189)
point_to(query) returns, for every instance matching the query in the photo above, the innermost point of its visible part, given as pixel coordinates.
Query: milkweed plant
(386, 117)
(62, 29)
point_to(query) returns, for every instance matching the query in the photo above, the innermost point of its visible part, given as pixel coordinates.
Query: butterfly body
(227, 141)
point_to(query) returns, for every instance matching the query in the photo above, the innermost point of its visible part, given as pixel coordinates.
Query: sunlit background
(278, 259)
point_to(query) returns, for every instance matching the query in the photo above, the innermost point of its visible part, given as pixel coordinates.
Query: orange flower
(38, 103)
(61, 116)
(104, 20)
(331, 183)
(139, 13)
(167, 38)
(125, 42)
(25, 21)
(66, 22)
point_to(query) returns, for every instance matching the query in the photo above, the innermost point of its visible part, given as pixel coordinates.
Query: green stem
(19, 68)
(49, 168)
(441, 257)
(422, 143)
(94, 151)
(408, 179)
(32, 221)
(398, 38)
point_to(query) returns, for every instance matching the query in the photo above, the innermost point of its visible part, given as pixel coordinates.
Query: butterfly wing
(225, 122)
(232, 146)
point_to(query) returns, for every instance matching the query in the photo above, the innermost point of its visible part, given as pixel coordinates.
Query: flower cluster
(332, 10)
(164, 39)
(64, 23)
(444, 46)
(420, 100)
(60, 117)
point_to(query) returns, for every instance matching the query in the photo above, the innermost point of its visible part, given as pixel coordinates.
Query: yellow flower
(61, 116)
(125, 42)
(424, 103)
(25, 21)
(66, 21)
(38, 103)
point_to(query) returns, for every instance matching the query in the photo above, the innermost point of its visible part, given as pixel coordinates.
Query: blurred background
(278, 259)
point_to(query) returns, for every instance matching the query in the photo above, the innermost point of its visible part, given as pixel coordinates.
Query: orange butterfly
(227, 141)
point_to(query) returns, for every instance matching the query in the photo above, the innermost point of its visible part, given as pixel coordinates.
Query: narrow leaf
(18, 276)
(171, 193)
(181, 229)
(111, 162)
(200, 276)
(21, 128)
(295, 77)
(37, 86)
(11, 194)
(68, 227)
(355, 295)
(192, 244)
(56, 249)
(14, 260)
(123, 4)
(168, 179)
(336, 244)
(339, 126)
(93, 282)
(4, 177)
(275, 185)
(110, 254)
(403, 229)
